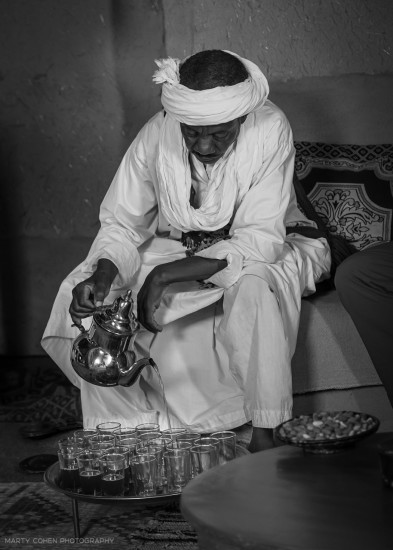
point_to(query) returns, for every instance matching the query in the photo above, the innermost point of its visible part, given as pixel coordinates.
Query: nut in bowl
(326, 432)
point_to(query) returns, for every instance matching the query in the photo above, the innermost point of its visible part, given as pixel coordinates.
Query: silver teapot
(103, 355)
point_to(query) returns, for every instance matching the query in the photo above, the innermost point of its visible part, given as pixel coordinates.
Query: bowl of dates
(326, 432)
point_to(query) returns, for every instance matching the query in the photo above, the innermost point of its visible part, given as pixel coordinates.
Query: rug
(39, 393)
(34, 517)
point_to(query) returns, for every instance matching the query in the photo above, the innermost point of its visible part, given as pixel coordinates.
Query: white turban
(215, 105)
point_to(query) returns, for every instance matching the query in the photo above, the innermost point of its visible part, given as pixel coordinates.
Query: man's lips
(212, 156)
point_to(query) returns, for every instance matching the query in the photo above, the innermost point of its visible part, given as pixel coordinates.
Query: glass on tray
(101, 442)
(203, 457)
(226, 445)
(81, 437)
(112, 468)
(144, 474)
(89, 473)
(68, 471)
(173, 433)
(125, 432)
(177, 463)
(108, 427)
(145, 437)
(147, 427)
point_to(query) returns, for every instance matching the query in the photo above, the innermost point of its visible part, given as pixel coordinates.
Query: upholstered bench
(351, 188)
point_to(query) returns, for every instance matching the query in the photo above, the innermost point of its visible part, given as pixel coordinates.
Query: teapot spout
(129, 376)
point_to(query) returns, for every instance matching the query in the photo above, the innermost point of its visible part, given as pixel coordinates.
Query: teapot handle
(81, 327)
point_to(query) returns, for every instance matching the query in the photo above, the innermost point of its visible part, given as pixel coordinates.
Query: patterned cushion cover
(351, 188)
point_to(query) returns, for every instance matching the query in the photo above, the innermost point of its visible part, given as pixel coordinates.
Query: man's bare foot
(261, 440)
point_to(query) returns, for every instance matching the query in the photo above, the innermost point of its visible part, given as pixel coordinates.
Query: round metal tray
(51, 478)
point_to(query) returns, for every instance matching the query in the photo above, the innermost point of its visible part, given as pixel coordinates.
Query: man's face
(209, 143)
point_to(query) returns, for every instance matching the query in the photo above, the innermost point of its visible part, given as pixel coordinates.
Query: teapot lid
(118, 318)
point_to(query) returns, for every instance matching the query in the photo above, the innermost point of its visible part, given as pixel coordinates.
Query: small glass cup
(226, 445)
(145, 437)
(132, 444)
(147, 427)
(112, 468)
(208, 440)
(177, 464)
(162, 440)
(192, 437)
(203, 457)
(108, 427)
(385, 451)
(144, 474)
(68, 470)
(125, 432)
(158, 451)
(173, 433)
(89, 473)
(101, 441)
(179, 444)
(81, 437)
(125, 451)
(67, 445)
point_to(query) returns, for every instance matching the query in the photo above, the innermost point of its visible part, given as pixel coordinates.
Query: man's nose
(204, 145)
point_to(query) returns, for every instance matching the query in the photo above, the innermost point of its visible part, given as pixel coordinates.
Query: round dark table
(287, 499)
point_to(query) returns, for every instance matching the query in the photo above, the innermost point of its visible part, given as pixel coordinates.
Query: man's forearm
(188, 269)
(108, 267)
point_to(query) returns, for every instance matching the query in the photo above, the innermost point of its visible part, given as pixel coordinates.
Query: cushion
(329, 353)
(350, 187)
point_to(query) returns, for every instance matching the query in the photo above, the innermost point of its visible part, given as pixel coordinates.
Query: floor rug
(34, 517)
(39, 393)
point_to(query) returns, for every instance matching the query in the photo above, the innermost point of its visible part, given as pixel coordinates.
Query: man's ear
(242, 119)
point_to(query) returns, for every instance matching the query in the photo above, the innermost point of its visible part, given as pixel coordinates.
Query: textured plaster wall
(329, 62)
(75, 87)
(288, 38)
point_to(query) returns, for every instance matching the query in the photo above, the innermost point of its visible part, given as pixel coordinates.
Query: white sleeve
(129, 211)
(258, 228)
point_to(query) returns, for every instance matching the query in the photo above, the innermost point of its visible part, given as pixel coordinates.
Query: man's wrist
(107, 267)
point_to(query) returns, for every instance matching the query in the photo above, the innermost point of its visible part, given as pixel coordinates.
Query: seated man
(204, 193)
(364, 282)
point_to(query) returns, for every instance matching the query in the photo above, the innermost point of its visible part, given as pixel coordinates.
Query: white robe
(225, 352)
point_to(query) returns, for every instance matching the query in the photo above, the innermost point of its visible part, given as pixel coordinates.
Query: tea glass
(147, 427)
(108, 427)
(68, 473)
(112, 468)
(144, 474)
(89, 473)
(81, 437)
(173, 433)
(145, 437)
(203, 457)
(226, 445)
(177, 463)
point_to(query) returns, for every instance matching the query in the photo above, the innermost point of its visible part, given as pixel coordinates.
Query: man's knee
(253, 285)
(349, 273)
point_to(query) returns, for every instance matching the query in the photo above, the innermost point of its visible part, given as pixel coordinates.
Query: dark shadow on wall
(12, 263)
(138, 38)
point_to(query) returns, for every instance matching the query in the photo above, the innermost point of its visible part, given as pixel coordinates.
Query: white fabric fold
(215, 105)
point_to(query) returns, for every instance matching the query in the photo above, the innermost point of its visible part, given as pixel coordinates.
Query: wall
(74, 92)
(77, 87)
(329, 62)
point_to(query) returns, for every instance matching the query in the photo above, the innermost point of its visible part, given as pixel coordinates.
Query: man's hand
(90, 294)
(189, 269)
